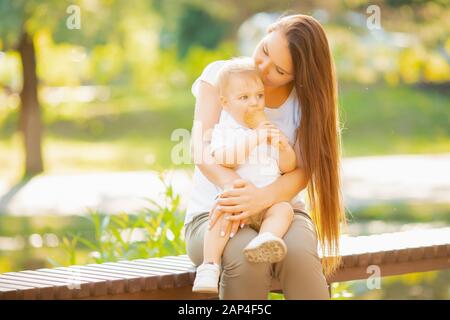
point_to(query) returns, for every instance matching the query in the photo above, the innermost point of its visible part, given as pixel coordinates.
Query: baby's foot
(265, 247)
(207, 278)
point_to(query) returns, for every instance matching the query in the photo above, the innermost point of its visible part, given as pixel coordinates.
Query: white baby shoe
(265, 247)
(207, 278)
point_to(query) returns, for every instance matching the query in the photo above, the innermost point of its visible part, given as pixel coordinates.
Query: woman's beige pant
(300, 273)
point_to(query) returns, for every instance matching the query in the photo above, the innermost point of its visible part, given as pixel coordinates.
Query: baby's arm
(234, 154)
(287, 159)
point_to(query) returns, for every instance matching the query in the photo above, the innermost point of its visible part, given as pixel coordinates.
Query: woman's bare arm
(207, 113)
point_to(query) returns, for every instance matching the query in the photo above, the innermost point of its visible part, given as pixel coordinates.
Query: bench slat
(181, 276)
(79, 289)
(61, 288)
(143, 266)
(116, 283)
(14, 291)
(42, 291)
(150, 277)
(164, 278)
(98, 286)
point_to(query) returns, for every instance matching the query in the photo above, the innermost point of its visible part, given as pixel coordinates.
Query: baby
(245, 141)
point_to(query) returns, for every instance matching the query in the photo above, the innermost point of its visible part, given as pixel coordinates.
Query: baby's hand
(264, 130)
(276, 138)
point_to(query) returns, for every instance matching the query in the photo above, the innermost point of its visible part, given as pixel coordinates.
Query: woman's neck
(277, 96)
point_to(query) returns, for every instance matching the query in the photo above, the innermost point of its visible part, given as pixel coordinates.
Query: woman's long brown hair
(319, 133)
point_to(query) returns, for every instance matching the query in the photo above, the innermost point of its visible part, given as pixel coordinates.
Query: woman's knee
(242, 279)
(233, 259)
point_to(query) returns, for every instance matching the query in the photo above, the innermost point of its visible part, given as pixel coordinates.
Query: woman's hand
(215, 214)
(243, 201)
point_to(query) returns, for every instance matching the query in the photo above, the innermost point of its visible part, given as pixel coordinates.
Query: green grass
(400, 120)
(402, 213)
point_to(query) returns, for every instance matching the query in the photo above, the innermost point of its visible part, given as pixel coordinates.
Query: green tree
(79, 22)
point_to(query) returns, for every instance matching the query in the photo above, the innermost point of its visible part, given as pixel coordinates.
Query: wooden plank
(149, 278)
(22, 291)
(34, 290)
(182, 277)
(377, 257)
(9, 292)
(364, 259)
(168, 262)
(441, 250)
(97, 286)
(146, 267)
(430, 252)
(154, 265)
(391, 256)
(180, 280)
(165, 279)
(78, 287)
(417, 253)
(133, 282)
(61, 290)
(184, 293)
(115, 284)
(404, 255)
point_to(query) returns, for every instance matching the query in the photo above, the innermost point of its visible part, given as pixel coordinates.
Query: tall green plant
(154, 231)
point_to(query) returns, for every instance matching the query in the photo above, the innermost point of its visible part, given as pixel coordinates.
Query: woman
(301, 96)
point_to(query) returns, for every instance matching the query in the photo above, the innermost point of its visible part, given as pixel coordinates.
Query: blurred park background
(92, 90)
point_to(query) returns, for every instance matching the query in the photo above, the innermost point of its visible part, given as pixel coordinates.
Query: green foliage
(387, 120)
(402, 212)
(155, 231)
(11, 22)
(197, 27)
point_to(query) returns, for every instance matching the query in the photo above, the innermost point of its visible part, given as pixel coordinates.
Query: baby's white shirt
(261, 166)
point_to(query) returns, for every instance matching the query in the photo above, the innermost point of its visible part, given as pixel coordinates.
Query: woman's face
(273, 59)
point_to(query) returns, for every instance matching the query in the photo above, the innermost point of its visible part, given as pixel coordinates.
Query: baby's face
(243, 94)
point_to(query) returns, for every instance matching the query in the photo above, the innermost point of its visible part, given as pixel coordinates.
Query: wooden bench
(172, 277)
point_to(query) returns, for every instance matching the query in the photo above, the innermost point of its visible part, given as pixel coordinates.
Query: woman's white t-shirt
(286, 118)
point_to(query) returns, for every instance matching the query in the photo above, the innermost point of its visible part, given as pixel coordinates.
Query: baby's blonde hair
(237, 65)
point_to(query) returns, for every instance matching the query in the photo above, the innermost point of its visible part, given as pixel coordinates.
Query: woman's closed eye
(264, 49)
(243, 97)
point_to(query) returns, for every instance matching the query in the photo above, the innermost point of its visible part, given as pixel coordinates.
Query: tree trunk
(30, 115)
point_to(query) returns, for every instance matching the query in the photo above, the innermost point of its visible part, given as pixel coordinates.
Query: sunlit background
(91, 92)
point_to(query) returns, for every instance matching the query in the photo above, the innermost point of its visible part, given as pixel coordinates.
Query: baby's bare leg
(277, 219)
(214, 243)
